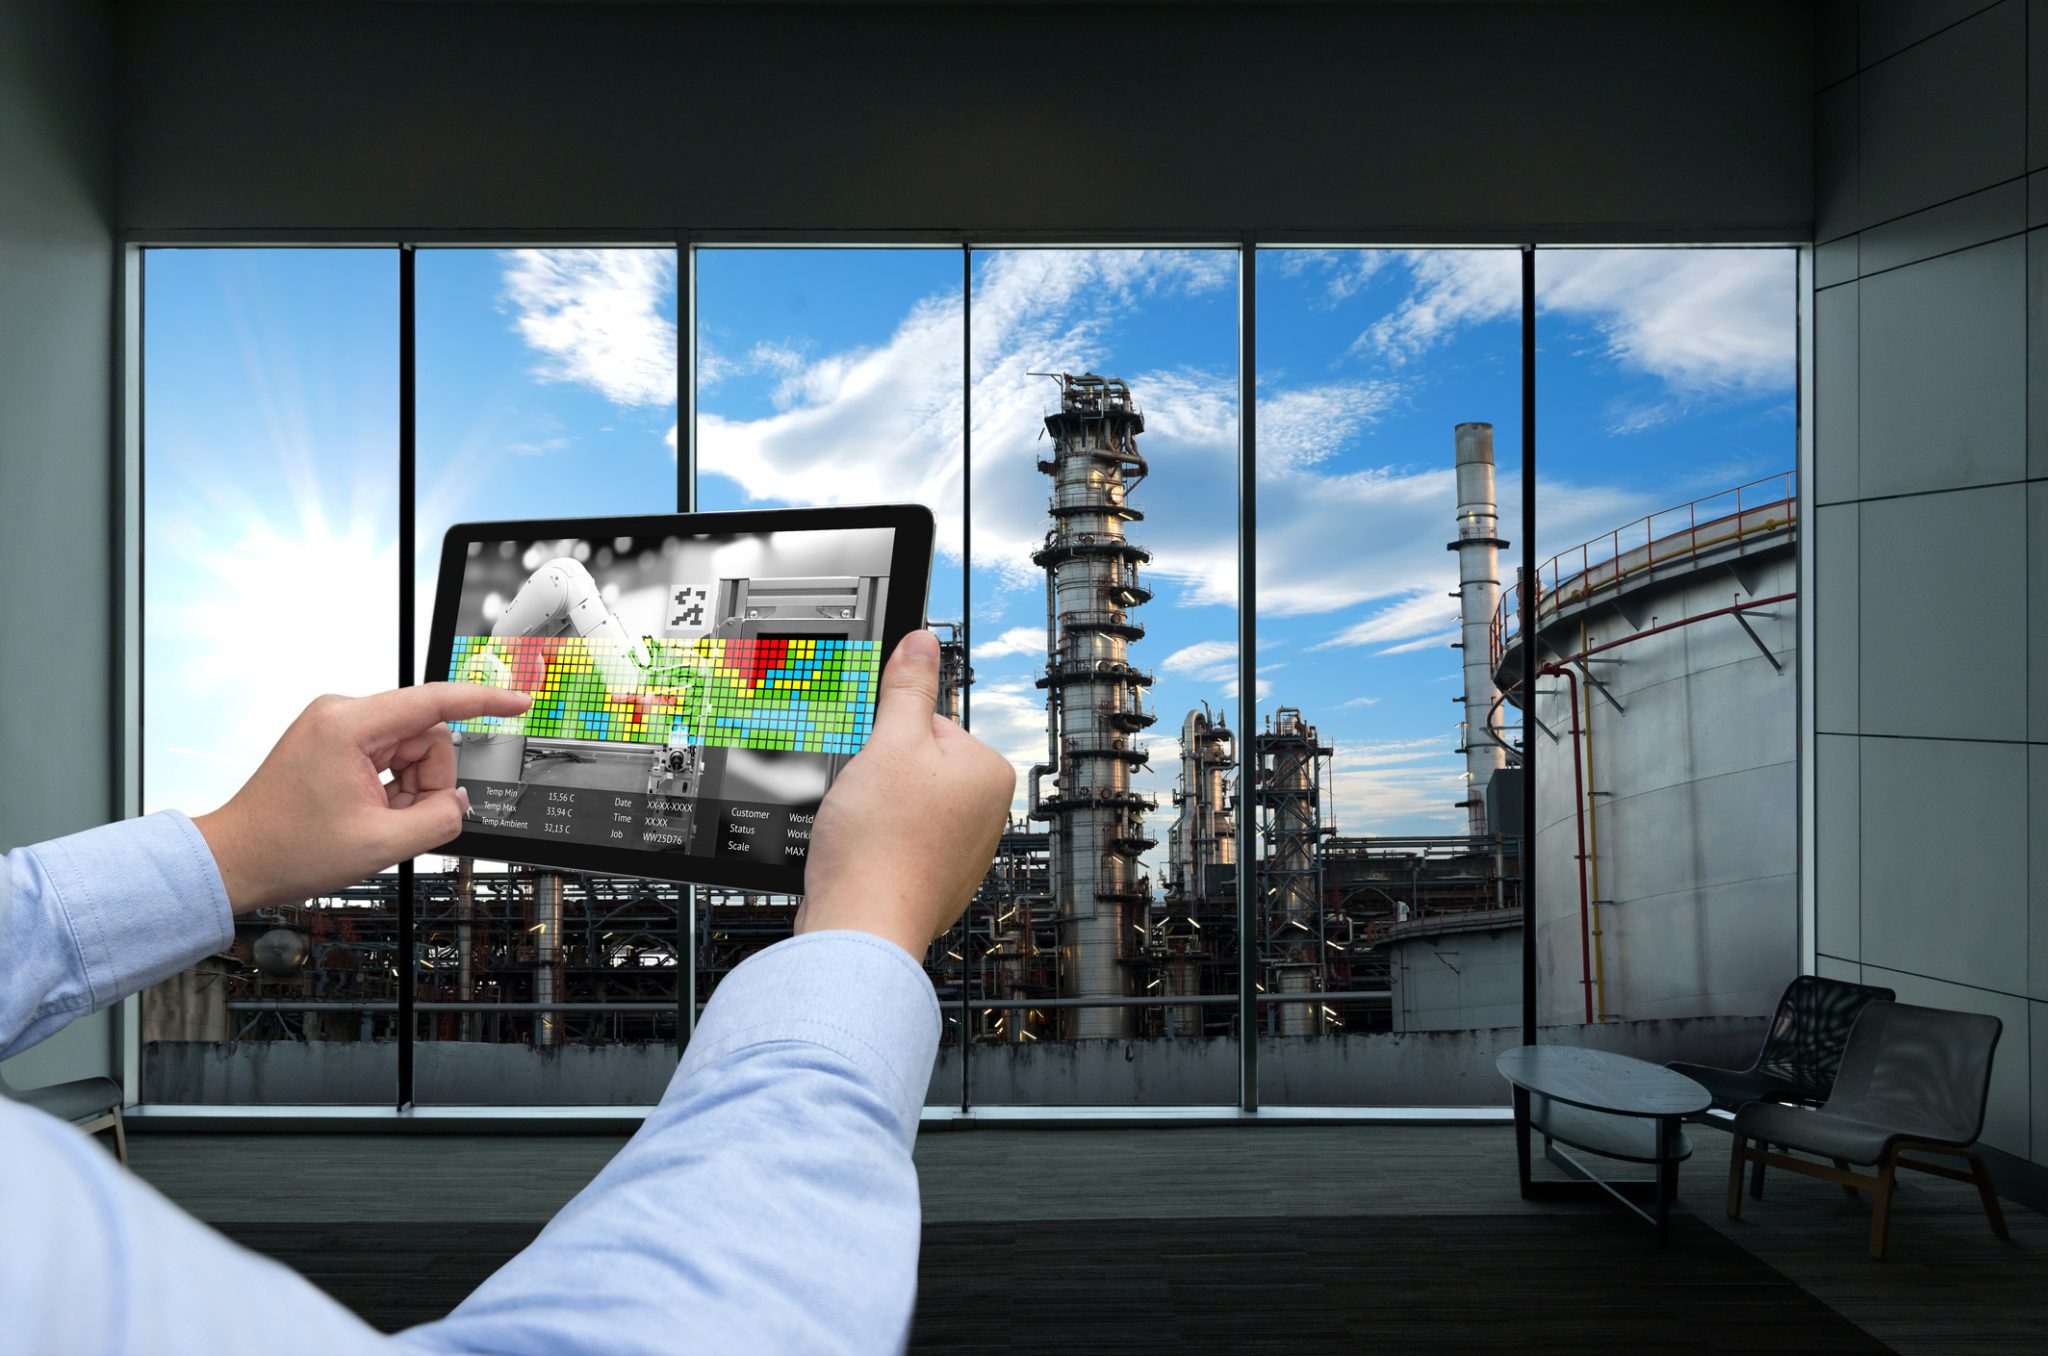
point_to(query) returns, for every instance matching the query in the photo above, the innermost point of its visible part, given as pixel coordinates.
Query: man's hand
(317, 816)
(908, 829)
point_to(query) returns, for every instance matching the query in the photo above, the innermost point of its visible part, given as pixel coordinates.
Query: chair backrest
(1925, 1072)
(1804, 1046)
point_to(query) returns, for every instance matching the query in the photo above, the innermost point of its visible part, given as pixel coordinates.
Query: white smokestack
(1478, 547)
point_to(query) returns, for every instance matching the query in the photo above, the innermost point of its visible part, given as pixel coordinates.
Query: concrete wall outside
(57, 606)
(1453, 1068)
(1455, 981)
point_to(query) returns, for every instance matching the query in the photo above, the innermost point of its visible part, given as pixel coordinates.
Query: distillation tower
(1095, 699)
(1201, 851)
(1290, 794)
(1478, 547)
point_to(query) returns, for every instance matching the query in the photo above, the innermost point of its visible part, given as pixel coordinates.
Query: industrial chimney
(1478, 547)
(1096, 699)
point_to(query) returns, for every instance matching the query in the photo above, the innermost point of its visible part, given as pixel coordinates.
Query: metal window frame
(133, 249)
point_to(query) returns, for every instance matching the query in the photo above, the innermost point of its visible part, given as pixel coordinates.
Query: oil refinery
(1100, 958)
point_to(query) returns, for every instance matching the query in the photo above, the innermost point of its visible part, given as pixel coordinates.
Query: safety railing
(1667, 537)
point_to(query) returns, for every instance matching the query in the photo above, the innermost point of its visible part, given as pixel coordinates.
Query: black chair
(91, 1104)
(1912, 1080)
(1801, 1051)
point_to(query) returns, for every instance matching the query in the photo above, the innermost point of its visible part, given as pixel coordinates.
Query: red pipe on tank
(1578, 770)
(1579, 823)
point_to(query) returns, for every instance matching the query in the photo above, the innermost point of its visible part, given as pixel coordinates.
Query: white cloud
(1709, 323)
(1028, 640)
(1204, 656)
(1298, 428)
(595, 317)
(1214, 663)
(1361, 701)
(1375, 783)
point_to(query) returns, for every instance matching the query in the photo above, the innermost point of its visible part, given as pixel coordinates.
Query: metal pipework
(1478, 547)
(547, 954)
(1290, 754)
(465, 940)
(1095, 698)
(955, 674)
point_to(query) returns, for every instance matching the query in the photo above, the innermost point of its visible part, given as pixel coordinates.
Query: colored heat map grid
(805, 696)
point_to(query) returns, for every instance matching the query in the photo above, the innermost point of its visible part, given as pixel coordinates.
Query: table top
(1601, 1081)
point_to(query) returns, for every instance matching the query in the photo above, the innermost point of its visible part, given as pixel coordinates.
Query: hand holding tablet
(698, 681)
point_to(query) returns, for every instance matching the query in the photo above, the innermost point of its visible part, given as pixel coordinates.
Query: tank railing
(1666, 537)
(1102, 617)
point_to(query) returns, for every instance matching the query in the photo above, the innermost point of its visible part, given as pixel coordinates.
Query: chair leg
(120, 1138)
(1842, 1165)
(1756, 1174)
(1982, 1175)
(1881, 1213)
(1735, 1178)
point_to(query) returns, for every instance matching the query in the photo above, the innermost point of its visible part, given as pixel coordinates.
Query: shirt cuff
(142, 900)
(853, 993)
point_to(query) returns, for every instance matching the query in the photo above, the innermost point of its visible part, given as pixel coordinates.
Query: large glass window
(1088, 564)
(270, 469)
(1666, 841)
(834, 377)
(545, 387)
(1389, 894)
(1103, 946)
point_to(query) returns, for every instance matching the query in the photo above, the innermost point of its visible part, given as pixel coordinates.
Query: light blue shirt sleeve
(88, 919)
(768, 1204)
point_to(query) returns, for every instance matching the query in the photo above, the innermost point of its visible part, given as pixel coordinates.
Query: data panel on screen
(697, 682)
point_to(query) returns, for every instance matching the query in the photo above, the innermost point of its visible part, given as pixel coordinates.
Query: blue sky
(836, 377)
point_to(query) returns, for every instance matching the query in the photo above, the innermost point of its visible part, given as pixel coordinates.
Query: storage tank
(1664, 730)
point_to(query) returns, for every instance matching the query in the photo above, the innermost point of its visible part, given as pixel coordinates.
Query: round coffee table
(1606, 1104)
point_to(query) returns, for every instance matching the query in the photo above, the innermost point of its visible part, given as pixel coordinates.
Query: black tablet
(698, 680)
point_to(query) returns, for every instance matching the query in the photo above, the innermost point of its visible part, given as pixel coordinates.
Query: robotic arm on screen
(561, 598)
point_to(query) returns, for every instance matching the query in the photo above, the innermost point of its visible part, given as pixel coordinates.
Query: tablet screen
(692, 694)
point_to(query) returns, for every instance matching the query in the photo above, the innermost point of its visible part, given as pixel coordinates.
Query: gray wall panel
(1835, 394)
(2037, 353)
(1946, 117)
(1887, 26)
(1942, 374)
(1834, 41)
(2037, 611)
(1972, 220)
(1837, 659)
(1929, 907)
(1943, 592)
(1837, 190)
(2037, 83)
(1942, 625)
(57, 270)
(2038, 1042)
(2037, 871)
(1827, 967)
(1838, 854)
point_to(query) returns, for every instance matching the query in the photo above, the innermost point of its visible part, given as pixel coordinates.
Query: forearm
(93, 1260)
(769, 1204)
(88, 919)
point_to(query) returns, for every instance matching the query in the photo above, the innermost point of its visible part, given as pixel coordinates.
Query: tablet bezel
(910, 565)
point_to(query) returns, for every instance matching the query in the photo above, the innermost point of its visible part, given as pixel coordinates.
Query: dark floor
(1267, 1238)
